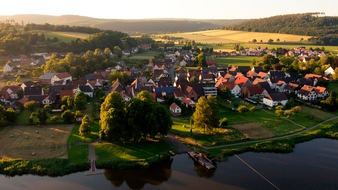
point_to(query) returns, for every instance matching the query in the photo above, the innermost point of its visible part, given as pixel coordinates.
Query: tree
(68, 116)
(254, 41)
(31, 105)
(223, 122)
(2, 116)
(112, 118)
(42, 115)
(117, 51)
(206, 113)
(85, 127)
(335, 75)
(225, 93)
(252, 109)
(10, 115)
(67, 101)
(242, 109)
(330, 103)
(80, 101)
(279, 113)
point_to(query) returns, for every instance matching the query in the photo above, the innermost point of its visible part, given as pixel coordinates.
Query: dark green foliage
(10, 115)
(80, 101)
(68, 116)
(42, 115)
(85, 127)
(331, 102)
(136, 119)
(31, 105)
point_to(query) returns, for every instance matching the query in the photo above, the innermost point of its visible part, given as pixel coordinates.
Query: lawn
(237, 61)
(34, 142)
(127, 154)
(78, 145)
(145, 55)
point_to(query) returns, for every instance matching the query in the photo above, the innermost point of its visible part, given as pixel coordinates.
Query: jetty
(92, 159)
(201, 159)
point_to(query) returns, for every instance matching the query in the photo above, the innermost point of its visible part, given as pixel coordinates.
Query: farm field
(33, 142)
(254, 130)
(230, 36)
(65, 36)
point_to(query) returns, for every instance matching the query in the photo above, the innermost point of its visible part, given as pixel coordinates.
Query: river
(313, 165)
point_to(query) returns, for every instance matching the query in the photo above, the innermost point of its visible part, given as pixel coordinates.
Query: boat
(201, 159)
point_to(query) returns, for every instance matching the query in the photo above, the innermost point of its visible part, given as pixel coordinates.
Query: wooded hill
(323, 28)
(132, 26)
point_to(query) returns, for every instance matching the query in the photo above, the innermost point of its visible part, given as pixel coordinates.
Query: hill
(130, 26)
(324, 28)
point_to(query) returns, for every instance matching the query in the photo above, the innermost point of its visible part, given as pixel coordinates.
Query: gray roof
(48, 76)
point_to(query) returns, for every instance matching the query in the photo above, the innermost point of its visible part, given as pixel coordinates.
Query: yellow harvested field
(34, 142)
(73, 34)
(230, 36)
(253, 130)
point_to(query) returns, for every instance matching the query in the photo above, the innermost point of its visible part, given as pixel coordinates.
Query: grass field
(33, 142)
(254, 130)
(229, 36)
(65, 36)
(237, 61)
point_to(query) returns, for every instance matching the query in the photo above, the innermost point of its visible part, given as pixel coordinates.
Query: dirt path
(173, 139)
(91, 152)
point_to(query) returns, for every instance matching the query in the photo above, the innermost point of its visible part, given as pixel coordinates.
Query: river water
(313, 165)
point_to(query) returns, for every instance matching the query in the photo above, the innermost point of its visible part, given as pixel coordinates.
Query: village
(172, 77)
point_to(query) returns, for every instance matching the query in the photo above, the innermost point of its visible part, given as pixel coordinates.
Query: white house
(329, 71)
(64, 77)
(274, 99)
(307, 93)
(175, 109)
(7, 68)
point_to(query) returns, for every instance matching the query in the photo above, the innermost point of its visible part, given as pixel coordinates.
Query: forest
(324, 29)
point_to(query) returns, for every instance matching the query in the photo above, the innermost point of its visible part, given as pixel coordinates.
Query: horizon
(175, 9)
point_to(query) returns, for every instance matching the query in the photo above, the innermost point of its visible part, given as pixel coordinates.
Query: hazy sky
(139, 9)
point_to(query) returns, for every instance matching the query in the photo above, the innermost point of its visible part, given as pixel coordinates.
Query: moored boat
(201, 159)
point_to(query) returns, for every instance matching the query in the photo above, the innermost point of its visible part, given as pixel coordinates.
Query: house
(26, 84)
(175, 109)
(163, 93)
(33, 91)
(274, 99)
(47, 78)
(280, 85)
(329, 71)
(307, 93)
(234, 88)
(9, 94)
(7, 68)
(64, 77)
(209, 89)
(189, 103)
(254, 92)
(87, 90)
(292, 88)
(321, 92)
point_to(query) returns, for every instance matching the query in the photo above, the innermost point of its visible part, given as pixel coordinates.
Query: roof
(66, 93)
(33, 91)
(174, 106)
(254, 89)
(229, 85)
(276, 96)
(63, 75)
(48, 76)
(85, 88)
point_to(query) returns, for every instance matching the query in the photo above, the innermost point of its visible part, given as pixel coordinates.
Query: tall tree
(80, 101)
(206, 114)
(85, 127)
(112, 119)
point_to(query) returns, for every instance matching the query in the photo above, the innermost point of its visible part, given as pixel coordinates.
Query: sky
(194, 9)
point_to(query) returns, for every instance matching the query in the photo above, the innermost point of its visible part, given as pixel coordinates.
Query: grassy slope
(65, 36)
